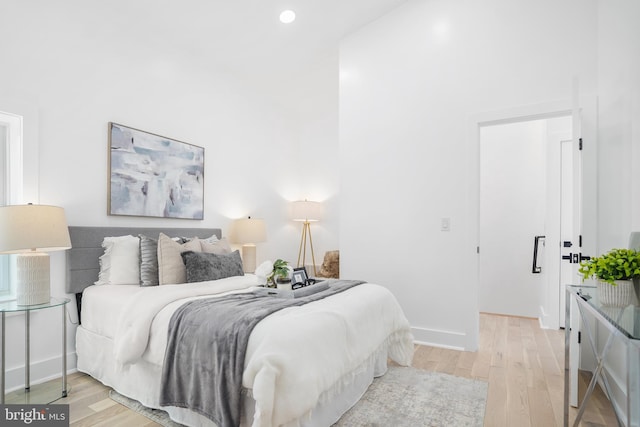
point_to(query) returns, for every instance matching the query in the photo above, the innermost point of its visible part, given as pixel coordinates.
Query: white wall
(312, 99)
(70, 74)
(619, 122)
(409, 84)
(618, 146)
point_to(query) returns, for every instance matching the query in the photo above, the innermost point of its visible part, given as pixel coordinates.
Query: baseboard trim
(437, 338)
(41, 371)
(507, 315)
(543, 319)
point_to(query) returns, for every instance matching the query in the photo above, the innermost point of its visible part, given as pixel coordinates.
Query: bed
(305, 365)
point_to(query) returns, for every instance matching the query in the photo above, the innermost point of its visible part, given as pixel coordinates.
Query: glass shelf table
(622, 323)
(46, 395)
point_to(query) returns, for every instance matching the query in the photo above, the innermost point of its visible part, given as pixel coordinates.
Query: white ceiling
(244, 37)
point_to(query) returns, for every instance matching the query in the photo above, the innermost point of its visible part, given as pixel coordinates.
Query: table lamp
(306, 212)
(248, 232)
(31, 231)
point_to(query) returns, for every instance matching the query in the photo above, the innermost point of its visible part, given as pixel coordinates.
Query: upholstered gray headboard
(86, 248)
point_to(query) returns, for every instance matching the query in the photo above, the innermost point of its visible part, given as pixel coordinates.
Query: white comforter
(293, 355)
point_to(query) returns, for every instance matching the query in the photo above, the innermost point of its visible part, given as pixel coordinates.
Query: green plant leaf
(617, 264)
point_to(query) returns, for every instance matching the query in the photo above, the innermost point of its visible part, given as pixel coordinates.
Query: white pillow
(120, 263)
(171, 269)
(218, 247)
(211, 239)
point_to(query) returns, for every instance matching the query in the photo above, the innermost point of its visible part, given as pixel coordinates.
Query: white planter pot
(620, 295)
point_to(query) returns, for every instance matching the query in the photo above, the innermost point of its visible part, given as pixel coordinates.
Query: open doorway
(524, 173)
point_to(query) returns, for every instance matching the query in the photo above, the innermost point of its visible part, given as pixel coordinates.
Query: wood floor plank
(496, 409)
(467, 359)
(103, 417)
(526, 333)
(481, 366)
(536, 377)
(541, 410)
(448, 361)
(515, 351)
(464, 373)
(518, 412)
(555, 389)
(499, 349)
(102, 405)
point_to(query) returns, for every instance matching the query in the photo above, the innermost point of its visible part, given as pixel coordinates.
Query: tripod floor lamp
(306, 212)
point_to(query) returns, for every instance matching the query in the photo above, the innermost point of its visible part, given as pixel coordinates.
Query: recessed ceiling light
(287, 16)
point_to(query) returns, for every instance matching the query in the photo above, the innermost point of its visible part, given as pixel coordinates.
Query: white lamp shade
(306, 211)
(249, 230)
(29, 228)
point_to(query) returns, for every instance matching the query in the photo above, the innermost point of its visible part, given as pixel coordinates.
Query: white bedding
(296, 358)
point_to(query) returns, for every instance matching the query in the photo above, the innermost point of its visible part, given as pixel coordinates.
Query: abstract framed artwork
(154, 176)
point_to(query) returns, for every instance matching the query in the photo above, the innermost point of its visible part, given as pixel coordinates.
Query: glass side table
(44, 396)
(622, 323)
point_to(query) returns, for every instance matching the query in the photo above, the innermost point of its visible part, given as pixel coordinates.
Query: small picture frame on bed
(299, 278)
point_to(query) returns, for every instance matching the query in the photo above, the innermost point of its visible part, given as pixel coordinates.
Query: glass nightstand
(619, 323)
(45, 394)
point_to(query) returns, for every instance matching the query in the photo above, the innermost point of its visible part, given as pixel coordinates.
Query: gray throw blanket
(206, 348)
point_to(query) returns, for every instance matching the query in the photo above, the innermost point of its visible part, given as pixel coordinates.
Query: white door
(559, 219)
(583, 153)
(569, 233)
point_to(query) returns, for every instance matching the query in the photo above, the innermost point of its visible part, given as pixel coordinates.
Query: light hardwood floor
(522, 364)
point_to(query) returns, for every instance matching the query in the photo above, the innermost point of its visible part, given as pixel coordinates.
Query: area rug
(403, 397)
(407, 397)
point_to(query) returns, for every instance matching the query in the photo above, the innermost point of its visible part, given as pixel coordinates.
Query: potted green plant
(280, 272)
(271, 273)
(615, 272)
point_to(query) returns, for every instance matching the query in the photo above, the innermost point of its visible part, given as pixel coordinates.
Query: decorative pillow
(149, 259)
(119, 263)
(219, 247)
(203, 266)
(211, 239)
(171, 269)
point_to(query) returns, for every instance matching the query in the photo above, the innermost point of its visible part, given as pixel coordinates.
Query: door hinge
(580, 240)
(477, 249)
(580, 144)
(579, 337)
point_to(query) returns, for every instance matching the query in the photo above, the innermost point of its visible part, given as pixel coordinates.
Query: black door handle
(576, 258)
(535, 269)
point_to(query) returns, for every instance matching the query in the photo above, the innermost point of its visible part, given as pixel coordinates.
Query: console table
(12, 306)
(621, 323)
